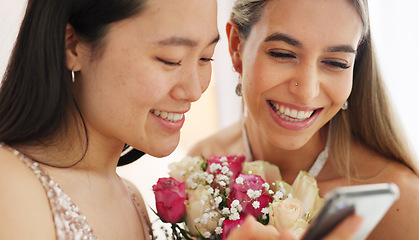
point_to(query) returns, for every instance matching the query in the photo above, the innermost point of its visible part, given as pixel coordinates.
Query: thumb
(347, 229)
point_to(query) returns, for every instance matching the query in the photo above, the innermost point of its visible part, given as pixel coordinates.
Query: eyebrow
(291, 41)
(283, 38)
(181, 41)
(342, 48)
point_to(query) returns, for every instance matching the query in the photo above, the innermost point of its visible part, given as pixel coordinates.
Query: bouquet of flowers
(207, 198)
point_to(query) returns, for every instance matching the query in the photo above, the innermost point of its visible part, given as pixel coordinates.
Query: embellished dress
(69, 222)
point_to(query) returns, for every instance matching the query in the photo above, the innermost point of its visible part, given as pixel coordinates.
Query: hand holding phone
(370, 201)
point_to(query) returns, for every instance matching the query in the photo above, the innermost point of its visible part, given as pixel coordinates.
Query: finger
(252, 229)
(346, 230)
(286, 235)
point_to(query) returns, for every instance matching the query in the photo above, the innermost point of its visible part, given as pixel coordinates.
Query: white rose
(184, 168)
(200, 216)
(305, 189)
(299, 228)
(285, 213)
(269, 172)
(284, 188)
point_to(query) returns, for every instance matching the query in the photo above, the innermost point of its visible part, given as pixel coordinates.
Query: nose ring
(296, 84)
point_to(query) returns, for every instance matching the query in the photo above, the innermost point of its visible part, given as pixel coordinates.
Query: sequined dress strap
(145, 222)
(69, 222)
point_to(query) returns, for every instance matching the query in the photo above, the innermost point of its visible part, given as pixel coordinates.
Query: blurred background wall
(396, 35)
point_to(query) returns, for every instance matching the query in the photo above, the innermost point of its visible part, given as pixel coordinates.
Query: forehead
(332, 21)
(196, 19)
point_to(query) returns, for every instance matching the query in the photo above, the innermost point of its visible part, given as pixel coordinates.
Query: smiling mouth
(289, 114)
(172, 117)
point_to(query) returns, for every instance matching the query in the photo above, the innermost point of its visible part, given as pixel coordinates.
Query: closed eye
(169, 63)
(280, 55)
(206, 59)
(335, 64)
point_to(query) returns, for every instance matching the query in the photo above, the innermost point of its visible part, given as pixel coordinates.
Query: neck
(283, 153)
(101, 158)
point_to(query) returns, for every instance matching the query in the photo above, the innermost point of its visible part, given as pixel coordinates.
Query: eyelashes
(329, 63)
(281, 55)
(337, 64)
(169, 63)
(206, 59)
(179, 63)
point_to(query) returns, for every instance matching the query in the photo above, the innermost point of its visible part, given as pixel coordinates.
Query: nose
(306, 82)
(192, 83)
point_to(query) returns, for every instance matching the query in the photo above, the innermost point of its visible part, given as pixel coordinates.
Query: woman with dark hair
(85, 79)
(314, 101)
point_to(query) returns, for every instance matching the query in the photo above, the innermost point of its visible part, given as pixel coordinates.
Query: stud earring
(345, 105)
(296, 84)
(73, 77)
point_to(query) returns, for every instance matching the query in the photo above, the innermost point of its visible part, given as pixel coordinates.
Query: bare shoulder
(24, 207)
(224, 142)
(401, 220)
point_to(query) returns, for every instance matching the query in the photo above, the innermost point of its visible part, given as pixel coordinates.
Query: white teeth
(173, 117)
(301, 115)
(292, 115)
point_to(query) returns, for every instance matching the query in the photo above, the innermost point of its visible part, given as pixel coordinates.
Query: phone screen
(370, 201)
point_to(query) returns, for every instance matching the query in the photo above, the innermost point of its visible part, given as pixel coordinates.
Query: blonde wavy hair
(369, 118)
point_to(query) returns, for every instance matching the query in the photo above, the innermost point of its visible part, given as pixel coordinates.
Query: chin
(291, 143)
(162, 151)
(160, 154)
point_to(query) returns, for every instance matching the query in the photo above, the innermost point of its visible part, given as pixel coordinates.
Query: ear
(234, 46)
(72, 47)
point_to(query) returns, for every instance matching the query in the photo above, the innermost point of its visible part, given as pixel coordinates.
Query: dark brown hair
(36, 102)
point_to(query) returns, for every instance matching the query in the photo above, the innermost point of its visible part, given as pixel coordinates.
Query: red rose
(216, 165)
(229, 225)
(247, 199)
(170, 199)
(234, 163)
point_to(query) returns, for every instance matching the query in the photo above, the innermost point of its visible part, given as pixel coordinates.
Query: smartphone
(370, 201)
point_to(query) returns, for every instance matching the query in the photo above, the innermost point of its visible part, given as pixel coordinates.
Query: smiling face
(153, 66)
(297, 67)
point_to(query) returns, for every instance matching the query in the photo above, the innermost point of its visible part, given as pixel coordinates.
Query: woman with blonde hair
(314, 100)
(85, 78)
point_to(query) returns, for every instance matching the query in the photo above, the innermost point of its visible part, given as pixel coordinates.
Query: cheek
(339, 89)
(260, 76)
(123, 89)
(205, 77)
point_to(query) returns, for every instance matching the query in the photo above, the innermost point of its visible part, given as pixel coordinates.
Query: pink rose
(234, 163)
(251, 192)
(170, 199)
(226, 168)
(229, 225)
